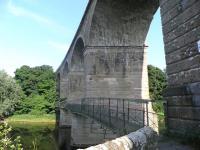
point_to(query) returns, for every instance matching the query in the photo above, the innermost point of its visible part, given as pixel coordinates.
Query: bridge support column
(119, 72)
(181, 30)
(116, 71)
(64, 133)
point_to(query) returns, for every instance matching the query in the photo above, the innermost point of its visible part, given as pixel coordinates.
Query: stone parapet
(144, 138)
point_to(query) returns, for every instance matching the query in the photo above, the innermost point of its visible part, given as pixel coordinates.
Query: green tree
(157, 84)
(10, 94)
(39, 85)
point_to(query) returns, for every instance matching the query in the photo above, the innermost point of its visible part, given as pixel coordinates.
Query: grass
(28, 118)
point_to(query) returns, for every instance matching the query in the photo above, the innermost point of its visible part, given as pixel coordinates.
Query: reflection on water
(73, 131)
(41, 136)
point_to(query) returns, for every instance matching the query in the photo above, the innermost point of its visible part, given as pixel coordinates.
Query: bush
(158, 107)
(6, 142)
(35, 105)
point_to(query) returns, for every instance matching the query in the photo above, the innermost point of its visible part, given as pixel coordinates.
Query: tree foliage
(10, 94)
(38, 83)
(157, 84)
(7, 142)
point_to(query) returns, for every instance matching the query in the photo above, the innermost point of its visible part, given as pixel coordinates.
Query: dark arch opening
(77, 62)
(66, 69)
(58, 85)
(76, 74)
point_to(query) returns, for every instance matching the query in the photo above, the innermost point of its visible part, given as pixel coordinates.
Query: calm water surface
(40, 135)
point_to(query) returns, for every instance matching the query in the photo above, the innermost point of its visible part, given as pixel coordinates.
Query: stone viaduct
(107, 57)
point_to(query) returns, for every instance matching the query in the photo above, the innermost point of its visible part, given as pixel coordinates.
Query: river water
(41, 136)
(35, 136)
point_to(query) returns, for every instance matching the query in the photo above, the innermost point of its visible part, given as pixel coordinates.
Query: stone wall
(144, 138)
(115, 72)
(181, 30)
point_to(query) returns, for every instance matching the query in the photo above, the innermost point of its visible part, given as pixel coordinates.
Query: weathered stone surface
(115, 72)
(167, 5)
(180, 101)
(190, 37)
(185, 52)
(190, 24)
(180, 20)
(194, 88)
(183, 17)
(190, 113)
(181, 126)
(144, 138)
(178, 7)
(184, 77)
(184, 65)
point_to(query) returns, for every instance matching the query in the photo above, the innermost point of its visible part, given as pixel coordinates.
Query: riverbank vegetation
(28, 118)
(30, 95)
(33, 91)
(39, 87)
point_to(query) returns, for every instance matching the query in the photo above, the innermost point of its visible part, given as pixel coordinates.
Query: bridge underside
(107, 57)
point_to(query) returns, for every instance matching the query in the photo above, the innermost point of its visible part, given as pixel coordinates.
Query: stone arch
(77, 61)
(116, 50)
(65, 69)
(76, 74)
(58, 84)
(120, 23)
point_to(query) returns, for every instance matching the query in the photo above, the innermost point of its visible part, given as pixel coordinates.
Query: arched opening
(76, 74)
(65, 69)
(58, 85)
(64, 81)
(155, 43)
(116, 59)
(77, 62)
(117, 36)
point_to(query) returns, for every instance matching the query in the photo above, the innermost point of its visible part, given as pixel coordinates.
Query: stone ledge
(144, 138)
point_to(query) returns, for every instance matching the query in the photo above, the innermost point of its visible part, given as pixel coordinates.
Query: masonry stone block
(182, 17)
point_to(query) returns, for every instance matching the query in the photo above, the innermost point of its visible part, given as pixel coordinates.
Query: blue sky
(37, 32)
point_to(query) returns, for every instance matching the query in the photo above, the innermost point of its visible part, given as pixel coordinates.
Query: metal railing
(122, 115)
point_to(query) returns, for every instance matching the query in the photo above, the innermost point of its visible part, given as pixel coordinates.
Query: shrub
(7, 142)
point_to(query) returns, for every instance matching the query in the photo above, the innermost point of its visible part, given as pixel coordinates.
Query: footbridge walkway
(105, 119)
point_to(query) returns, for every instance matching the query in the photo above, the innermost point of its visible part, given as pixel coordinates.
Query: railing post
(81, 105)
(117, 108)
(147, 112)
(88, 106)
(93, 109)
(109, 112)
(100, 108)
(166, 114)
(143, 109)
(128, 110)
(124, 121)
